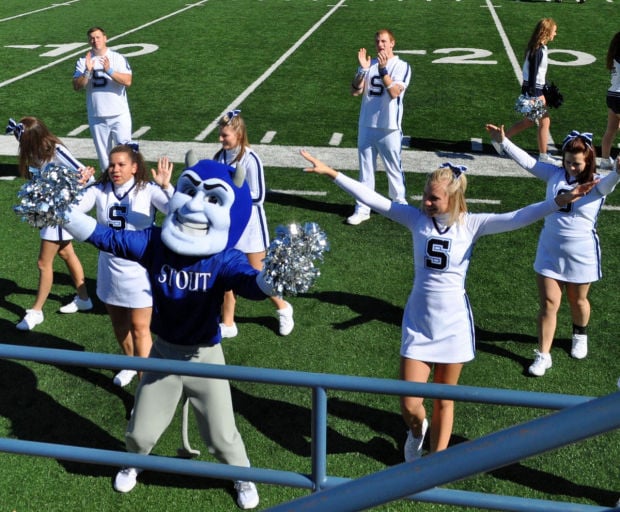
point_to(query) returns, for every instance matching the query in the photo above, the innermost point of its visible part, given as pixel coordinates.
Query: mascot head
(209, 210)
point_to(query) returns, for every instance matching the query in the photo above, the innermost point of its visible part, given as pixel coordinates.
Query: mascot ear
(239, 176)
(190, 158)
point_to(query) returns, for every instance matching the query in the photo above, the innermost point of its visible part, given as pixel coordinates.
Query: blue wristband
(110, 71)
(383, 71)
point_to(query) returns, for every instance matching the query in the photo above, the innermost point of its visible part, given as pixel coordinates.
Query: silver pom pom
(289, 263)
(532, 108)
(46, 198)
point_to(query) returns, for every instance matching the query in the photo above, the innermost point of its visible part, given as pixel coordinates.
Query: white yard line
(28, 13)
(239, 99)
(516, 65)
(86, 47)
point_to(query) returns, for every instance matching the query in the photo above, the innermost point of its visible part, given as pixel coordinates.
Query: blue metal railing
(583, 417)
(466, 459)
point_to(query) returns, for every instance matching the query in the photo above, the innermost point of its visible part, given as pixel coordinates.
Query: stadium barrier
(579, 417)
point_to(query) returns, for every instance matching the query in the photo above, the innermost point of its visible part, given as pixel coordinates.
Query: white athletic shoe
(229, 331)
(285, 317)
(247, 495)
(541, 364)
(607, 164)
(357, 218)
(76, 305)
(579, 349)
(126, 479)
(413, 445)
(124, 377)
(31, 320)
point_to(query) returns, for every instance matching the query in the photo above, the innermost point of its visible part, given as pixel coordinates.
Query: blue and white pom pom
(47, 197)
(289, 264)
(532, 108)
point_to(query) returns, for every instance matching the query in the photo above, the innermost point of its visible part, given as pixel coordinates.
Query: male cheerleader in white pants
(381, 82)
(105, 75)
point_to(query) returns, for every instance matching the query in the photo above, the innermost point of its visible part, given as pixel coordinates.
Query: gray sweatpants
(158, 395)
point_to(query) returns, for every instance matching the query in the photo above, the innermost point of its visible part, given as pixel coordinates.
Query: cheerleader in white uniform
(569, 254)
(381, 82)
(534, 79)
(438, 328)
(255, 239)
(126, 200)
(38, 147)
(613, 102)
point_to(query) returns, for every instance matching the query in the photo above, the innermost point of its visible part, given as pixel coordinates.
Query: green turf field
(288, 66)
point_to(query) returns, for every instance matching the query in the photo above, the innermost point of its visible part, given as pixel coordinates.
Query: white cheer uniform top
(379, 109)
(255, 237)
(104, 96)
(614, 89)
(541, 72)
(123, 282)
(568, 246)
(437, 322)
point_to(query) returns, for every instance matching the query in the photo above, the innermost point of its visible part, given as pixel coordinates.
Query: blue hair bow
(133, 145)
(232, 114)
(15, 128)
(457, 170)
(586, 137)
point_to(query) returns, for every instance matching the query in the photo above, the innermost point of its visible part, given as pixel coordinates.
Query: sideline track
(414, 160)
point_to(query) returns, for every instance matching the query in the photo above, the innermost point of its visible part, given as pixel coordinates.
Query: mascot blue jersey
(190, 288)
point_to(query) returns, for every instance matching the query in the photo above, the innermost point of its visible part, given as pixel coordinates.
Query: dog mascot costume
(191, 263)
